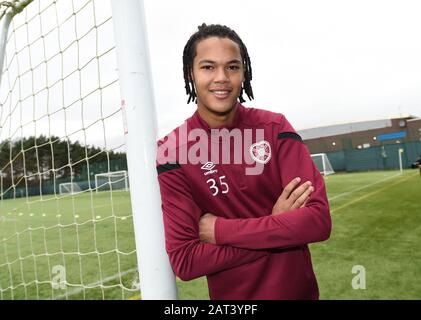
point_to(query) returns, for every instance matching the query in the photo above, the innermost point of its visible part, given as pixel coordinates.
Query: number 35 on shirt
(217, 187)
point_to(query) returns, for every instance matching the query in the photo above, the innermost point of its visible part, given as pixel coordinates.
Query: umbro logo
(208, 166)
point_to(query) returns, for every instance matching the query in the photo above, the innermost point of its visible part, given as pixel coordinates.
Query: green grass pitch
(90, 235)
(376, 224)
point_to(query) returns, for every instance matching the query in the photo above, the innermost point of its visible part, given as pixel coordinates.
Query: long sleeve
(298, 227)
(189, 257)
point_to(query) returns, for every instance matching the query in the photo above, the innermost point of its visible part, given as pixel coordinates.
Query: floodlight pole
(157, 279)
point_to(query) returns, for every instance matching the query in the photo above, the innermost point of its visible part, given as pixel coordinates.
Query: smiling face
(218, 74)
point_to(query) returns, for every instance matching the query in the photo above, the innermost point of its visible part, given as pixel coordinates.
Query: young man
(244, 221)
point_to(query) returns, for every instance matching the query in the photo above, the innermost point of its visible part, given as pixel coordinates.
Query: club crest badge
(261, 152)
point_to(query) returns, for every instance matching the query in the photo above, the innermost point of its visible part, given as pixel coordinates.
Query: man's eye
(207, 67)
(234, 67)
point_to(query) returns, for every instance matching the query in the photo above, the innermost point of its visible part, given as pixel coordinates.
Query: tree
(31, 160)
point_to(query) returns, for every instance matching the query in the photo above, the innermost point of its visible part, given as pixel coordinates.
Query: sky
(318, 62)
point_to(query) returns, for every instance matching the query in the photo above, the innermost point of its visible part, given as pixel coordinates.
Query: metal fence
(384, 157)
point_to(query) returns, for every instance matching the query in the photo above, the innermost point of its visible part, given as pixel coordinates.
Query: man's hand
(207, 228)
(293, 197)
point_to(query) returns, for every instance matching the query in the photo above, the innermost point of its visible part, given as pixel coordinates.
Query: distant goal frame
(325, 164)
(126, 180)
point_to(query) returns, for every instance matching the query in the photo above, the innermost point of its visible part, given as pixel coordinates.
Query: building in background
(367, 145)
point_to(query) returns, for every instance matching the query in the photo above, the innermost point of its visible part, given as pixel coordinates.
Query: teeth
(220, 92)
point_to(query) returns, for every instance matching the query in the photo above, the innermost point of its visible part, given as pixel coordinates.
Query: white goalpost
(68, 69)
(69, 187)
(157, 277)
(112, 181)
(322, 163)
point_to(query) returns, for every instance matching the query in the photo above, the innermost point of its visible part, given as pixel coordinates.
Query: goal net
(323, 164)
(69, 187)
(112, 181)
(61, 121)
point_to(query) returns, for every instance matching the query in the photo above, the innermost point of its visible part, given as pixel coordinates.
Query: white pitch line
(362, 188)
(95, 284)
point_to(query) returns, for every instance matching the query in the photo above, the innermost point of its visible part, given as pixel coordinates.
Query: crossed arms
(299, 216)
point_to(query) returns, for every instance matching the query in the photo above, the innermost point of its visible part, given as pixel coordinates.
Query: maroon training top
(257, 255)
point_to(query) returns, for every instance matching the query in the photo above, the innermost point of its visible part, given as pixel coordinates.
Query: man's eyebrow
(235, 61)
(206, 61)
(213, 62)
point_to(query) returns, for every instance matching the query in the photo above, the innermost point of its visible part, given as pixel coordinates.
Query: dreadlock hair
(189, 52)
